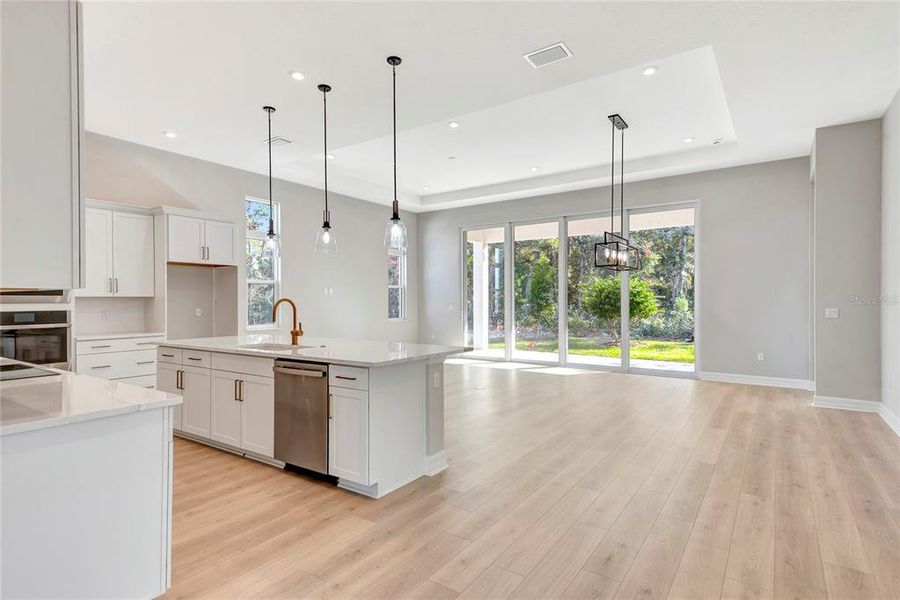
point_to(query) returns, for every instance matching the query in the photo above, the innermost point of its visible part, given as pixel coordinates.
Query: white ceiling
(761, 76)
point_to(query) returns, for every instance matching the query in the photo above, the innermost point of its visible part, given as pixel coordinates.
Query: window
(396, 285)
(263, 268)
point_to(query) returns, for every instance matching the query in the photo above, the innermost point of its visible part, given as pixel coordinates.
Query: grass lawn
(682, 352)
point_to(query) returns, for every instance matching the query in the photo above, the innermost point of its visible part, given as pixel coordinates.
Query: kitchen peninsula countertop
(359, 353)
(63, 398)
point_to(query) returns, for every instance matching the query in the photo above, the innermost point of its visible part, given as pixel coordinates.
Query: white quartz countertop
(41, 402)
(85, 337)
(360, 353)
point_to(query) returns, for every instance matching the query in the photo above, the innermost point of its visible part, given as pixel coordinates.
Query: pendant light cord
(325, 143)
(622, 184)
(271, 233)
(396, 207)
(612, 182)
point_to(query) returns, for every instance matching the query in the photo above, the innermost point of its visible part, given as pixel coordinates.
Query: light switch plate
(832, 313)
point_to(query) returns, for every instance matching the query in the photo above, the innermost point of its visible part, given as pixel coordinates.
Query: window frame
(402, 286)
(259, 235)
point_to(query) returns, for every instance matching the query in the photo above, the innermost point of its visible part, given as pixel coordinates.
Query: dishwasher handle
(299, 372)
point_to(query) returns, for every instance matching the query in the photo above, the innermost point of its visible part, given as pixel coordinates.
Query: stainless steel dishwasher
(301, 414)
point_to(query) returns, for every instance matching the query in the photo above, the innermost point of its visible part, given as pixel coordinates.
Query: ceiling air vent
(278, 141)
(545, 56)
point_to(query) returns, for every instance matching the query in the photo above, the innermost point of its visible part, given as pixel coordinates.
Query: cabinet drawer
(144, 381)
(195, 358)
(236, 363)
(354, 378)
(117, 345)
(169, 355)
(118, 365)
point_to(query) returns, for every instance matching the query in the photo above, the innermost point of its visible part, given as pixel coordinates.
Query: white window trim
(258, 235)
(402, 287)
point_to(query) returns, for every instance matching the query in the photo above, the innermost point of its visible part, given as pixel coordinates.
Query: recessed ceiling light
(297, 75)
(170, 134)
(329, 156)
(649, 70)
(688, 140)
(425, 188)
(533, 169)
(453, 124)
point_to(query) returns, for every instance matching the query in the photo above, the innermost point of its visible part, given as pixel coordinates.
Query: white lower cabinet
(195, 411)
(228, 407)
(348, 434)
(225, 405)
(168, 380)
(258, 414)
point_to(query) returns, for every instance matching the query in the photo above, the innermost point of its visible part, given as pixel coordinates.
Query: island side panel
(85, 498)
(436, 457)
(397, 396)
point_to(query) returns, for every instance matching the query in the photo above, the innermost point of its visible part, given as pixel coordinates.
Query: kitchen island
(385, 407)
(86, 466)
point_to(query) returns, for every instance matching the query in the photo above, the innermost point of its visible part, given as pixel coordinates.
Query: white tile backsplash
(109, 315)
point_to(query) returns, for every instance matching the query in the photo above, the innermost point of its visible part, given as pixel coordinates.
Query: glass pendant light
(271, 236)
(325, 240)
(395, 233)
(616, 252)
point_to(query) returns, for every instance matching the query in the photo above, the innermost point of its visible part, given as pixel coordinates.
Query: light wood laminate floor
(569, 484)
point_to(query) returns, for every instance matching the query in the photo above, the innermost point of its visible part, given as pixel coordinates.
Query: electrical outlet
(325, 291)
(832, 313)
(761, 356)
(198, 312)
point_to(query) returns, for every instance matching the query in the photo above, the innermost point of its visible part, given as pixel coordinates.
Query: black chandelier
(615, 252)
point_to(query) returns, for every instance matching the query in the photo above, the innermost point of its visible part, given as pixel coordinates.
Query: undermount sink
(266, 346)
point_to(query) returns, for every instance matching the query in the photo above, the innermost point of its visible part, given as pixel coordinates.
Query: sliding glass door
(661, 315)
(485, 291)
(593, 299)
(533, 294)
(536, 284)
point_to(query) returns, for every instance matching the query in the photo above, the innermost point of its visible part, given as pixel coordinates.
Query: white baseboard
(886, 414)
(435, 463)
(846, 403)
(889, 417)
(782, 382)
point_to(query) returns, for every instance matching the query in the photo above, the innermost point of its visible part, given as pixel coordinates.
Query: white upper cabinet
(219, 242)
(40, 190)
(118, 254)
(200, 241)
(186, 239)
(132, 254)
(98, 244)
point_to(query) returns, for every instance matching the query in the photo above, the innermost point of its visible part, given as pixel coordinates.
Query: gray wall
(754, 260)
(120, 171)
(890, 257)
(848, 260)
